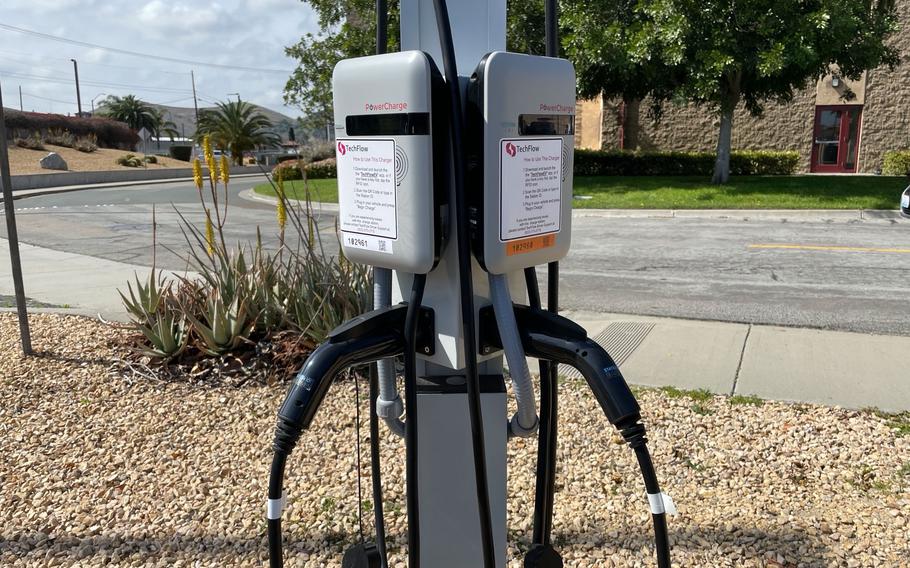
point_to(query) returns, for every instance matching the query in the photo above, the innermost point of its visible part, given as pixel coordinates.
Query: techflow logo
(512, 149)
(341, 149)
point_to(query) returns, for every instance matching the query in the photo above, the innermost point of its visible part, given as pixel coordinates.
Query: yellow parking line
(829, 248)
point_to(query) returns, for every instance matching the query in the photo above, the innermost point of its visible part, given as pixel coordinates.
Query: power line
(33, 57)
(20, 75)
(138, 54)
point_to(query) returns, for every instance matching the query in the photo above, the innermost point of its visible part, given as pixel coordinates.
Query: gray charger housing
(389, 125)
(520, 140)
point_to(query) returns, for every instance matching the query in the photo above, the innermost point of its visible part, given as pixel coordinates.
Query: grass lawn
(683, 192)
(324, 190)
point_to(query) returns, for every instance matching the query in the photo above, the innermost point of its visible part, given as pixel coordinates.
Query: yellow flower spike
(209, 233)
(209, 155)
(225, 169)
(197, 173)
(281, 213)
(207, 149)
(280, 210)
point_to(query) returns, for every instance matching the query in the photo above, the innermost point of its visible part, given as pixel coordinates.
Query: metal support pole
(78, 95)
(195, 102)
(20, 99)
(13, 236)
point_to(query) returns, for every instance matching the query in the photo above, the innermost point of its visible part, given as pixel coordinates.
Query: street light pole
(195, 102)
(238, 96)
(20, 99)
(93, 101)
(78, 96)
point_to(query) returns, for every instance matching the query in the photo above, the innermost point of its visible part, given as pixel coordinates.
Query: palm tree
(135, 112)
(236, 126)
(162, 125)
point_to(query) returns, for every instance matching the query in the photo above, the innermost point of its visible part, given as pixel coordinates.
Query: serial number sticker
(531, 244)
(367, 242)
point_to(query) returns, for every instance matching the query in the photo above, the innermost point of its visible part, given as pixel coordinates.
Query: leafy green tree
(621, 49)
(752, 52)
(237, 126)
(348, 29)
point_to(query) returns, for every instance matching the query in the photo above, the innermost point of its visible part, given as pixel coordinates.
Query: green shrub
(182, 153)
(150, 159)
(742, 163)
(289, 171)
(322, 169)
(131, 161)
(897, 163)
(32, 142)
(58, 137)
(87, 144)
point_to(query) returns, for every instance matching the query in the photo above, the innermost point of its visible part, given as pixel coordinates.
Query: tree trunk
(630, 124)
(724, 143)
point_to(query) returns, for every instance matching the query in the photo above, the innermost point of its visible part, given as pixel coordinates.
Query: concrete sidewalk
(828, 367)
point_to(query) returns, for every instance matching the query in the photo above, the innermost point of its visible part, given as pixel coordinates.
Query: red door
(836, 140)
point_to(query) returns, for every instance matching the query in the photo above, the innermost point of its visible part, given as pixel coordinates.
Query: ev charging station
(454, 166)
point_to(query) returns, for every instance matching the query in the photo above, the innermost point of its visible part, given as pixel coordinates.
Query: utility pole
(20, 99)
(78, 96)
(12, 236)
(195, 102)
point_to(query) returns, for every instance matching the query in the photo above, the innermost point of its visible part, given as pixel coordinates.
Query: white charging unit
(521, 134)
(391, 204)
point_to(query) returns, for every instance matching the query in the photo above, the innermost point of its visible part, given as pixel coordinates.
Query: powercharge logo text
(386, 106)
(512, 149)
(544, 107)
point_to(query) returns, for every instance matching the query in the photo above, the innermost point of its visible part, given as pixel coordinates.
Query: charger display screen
(546, 124)
(396, 124)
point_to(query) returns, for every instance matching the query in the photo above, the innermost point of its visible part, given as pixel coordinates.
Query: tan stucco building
(831, 133)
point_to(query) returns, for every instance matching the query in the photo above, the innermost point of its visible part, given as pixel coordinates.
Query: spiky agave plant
(154, 312)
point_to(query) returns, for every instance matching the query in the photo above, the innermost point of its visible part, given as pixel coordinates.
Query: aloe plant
(154, 313)
(224, 326)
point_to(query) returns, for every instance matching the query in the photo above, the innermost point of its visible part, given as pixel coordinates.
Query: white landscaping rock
(53, 161)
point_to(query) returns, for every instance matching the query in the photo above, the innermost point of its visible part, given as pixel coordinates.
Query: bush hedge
(742, 163)
(109, 133)
(897, 163)
(609, 163)
(182, 153)
(290, 170)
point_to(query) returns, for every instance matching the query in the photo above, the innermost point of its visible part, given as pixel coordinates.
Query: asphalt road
(846, 275)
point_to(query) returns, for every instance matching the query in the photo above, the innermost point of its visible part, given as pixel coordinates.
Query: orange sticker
(529, 245)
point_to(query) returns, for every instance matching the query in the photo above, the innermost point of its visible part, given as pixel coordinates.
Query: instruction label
(530, 188)
(366, 188)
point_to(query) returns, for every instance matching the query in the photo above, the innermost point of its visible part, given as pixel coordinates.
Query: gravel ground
(99, 470)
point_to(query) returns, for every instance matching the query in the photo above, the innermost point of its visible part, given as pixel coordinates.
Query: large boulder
(53, 161)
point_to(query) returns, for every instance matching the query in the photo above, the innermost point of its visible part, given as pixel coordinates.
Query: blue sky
(245, 33)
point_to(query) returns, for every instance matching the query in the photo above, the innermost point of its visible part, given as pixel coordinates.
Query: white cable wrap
(275, 507)
(525, 421)
(389, 406)
(661, 503)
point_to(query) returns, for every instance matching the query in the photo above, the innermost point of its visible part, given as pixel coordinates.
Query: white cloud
(249, 33)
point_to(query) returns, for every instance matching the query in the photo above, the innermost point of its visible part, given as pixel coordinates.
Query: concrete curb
(318, 207)
(40, 181)
(21, 194)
